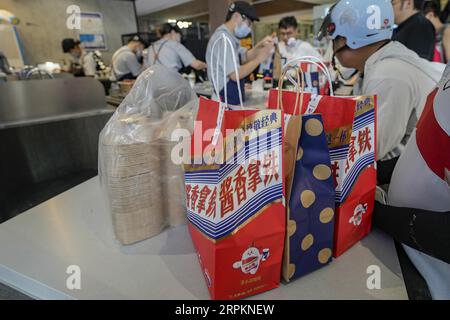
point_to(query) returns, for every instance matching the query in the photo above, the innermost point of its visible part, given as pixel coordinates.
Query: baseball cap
(245, 9)
(138, 39)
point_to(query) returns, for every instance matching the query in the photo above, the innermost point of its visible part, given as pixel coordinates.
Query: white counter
(73, 228)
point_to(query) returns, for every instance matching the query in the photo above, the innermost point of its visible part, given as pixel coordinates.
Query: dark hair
(167, 28)
(432, 6)
(288, 22)
(229, 15)
(69, 44)
(137, 38)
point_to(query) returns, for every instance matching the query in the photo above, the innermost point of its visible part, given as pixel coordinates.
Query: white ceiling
(148, 6)
(144, 7)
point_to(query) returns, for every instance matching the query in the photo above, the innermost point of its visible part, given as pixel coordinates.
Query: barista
(125, 61)
(82, 63)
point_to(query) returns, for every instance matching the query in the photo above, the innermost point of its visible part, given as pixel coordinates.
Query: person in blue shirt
(238, 23)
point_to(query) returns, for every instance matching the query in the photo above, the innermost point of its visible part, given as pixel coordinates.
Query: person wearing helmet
(361, 31)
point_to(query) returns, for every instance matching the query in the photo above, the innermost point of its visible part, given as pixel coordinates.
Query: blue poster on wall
(92, 33)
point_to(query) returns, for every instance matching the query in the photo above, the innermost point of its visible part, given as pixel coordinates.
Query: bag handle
(314, 61)
(300, 93)
(215, 80)
(215, 72)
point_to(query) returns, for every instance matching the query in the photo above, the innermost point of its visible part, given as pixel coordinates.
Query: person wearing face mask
(125, 60)
(289, 46)
(237, 26)
(82, 64)
(169, 52)
(398, 76)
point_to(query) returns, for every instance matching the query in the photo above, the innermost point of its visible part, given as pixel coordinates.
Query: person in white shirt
(125, 61)
(398, 76)
(289, 45)
(421, 180)
(82, 63)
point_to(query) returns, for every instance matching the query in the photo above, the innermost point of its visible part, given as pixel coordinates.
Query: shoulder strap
(156, 53)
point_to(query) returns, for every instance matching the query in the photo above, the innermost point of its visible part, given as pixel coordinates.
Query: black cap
(69, 44)
(244, 8)
(138, 39)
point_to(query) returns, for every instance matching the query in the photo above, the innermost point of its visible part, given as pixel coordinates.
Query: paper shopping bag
(235, 199)
(310, 193)
(350, 128)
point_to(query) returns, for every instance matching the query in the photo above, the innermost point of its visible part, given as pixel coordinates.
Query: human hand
(267, 41)
(264, 53)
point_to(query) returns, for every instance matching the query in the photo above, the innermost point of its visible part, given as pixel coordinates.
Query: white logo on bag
(251, 259)
(356, 219)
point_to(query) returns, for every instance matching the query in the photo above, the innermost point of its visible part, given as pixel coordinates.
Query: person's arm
(385, 169)
(188, 59)
(89, 66)
(394, 109)
(198, 65)
(133, 65)
(252, 53)
(446, 43)
(245, 69)
(251, 65)
(422, 230)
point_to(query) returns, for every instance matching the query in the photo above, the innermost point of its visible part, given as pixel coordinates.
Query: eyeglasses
(286, 33)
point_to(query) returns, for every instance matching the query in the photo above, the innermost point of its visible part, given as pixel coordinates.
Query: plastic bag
(143, 187)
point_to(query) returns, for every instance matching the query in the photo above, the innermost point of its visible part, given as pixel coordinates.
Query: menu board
(92, 33)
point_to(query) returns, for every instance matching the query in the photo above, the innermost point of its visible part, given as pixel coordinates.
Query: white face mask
(242, 30)
(291, 43)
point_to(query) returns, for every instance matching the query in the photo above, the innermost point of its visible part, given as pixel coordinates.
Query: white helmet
(361, 22)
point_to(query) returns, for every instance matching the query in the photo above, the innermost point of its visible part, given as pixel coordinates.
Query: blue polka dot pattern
(312, 202)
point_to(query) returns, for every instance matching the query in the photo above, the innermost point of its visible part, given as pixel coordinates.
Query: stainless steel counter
(32, 102)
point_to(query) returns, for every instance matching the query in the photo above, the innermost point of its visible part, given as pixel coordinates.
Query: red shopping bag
(235, 203)
(350, 126)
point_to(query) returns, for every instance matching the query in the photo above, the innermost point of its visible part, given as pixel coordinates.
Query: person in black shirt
(414, 30)
(445, 15)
